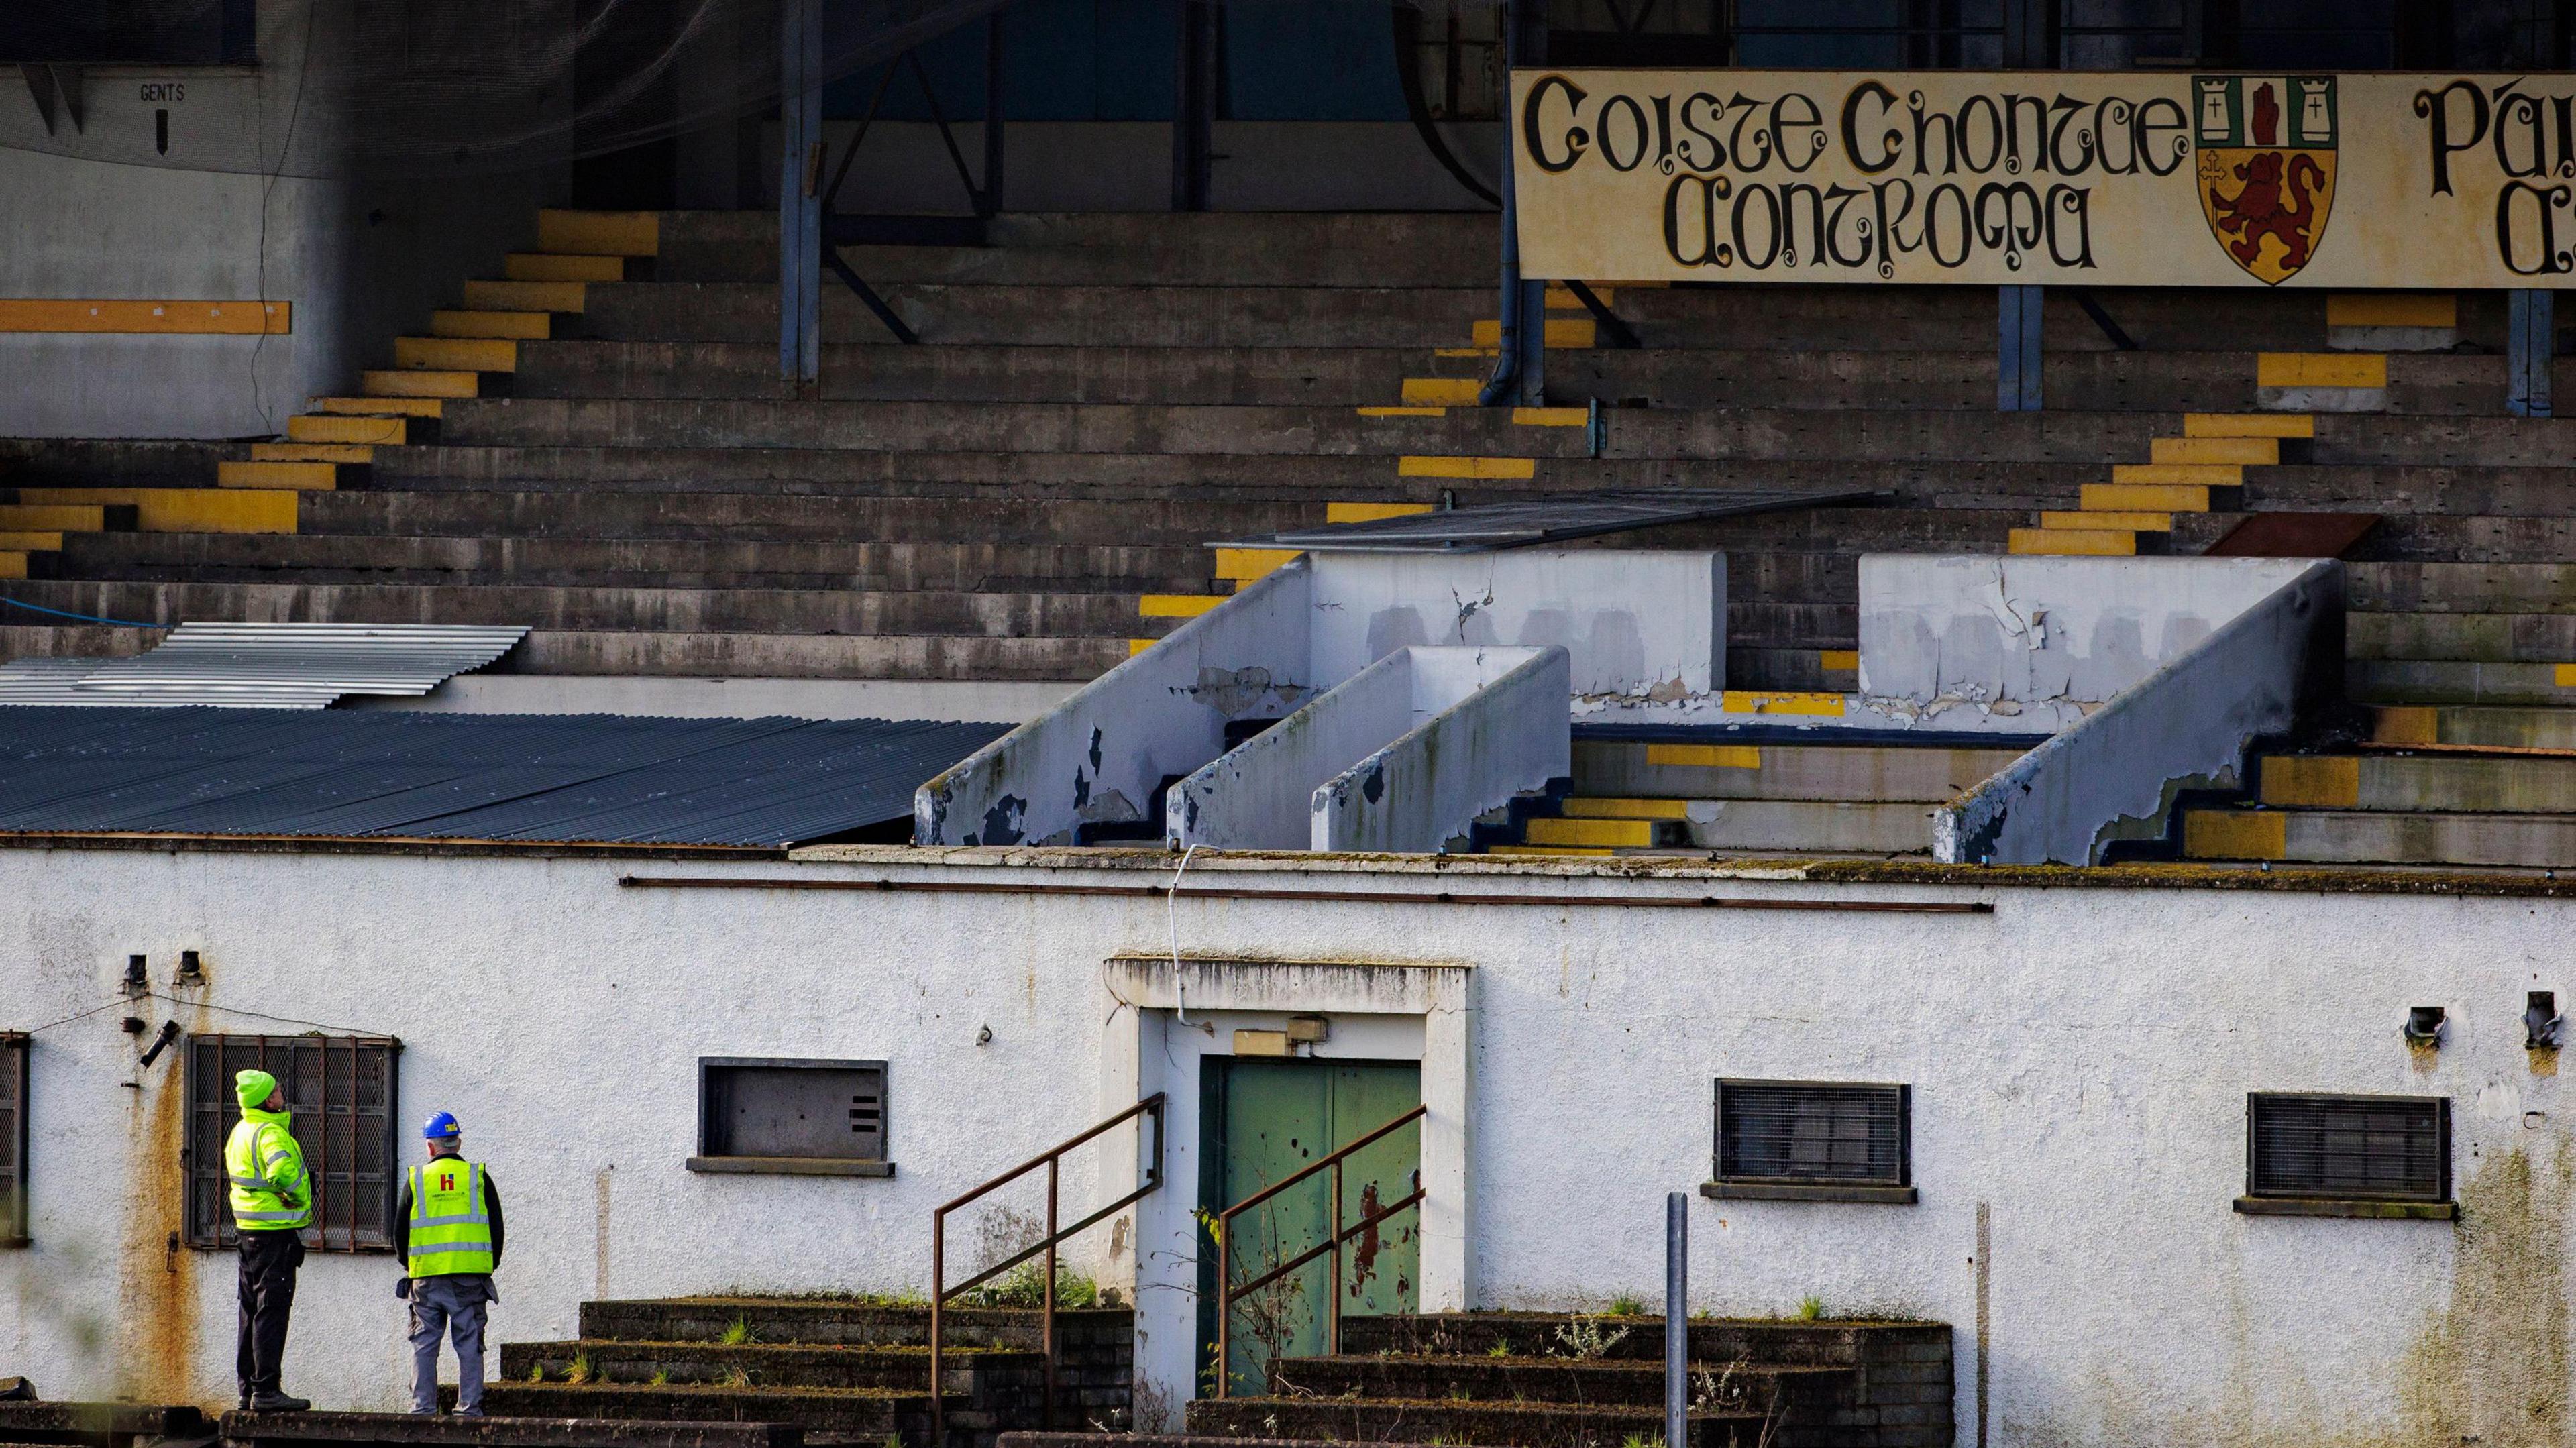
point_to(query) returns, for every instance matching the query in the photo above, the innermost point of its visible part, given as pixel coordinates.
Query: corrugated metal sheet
(1489, 527)
(264, 665)
(394, 773)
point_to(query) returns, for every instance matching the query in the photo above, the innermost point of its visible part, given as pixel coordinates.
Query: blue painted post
(1677, 1320)
(800, 199)
(2018, 354)
(2531, 342)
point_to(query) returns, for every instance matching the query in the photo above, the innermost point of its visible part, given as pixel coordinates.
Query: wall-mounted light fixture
(2424, 1026)
(2541, 1022)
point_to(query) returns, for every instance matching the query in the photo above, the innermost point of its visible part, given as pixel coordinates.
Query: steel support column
(800, 194)
(2531, 344)
(1194, 108)
(1520, 371)
(2018, 353)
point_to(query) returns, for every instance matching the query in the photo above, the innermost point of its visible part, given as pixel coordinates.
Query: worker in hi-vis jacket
(447, 1230)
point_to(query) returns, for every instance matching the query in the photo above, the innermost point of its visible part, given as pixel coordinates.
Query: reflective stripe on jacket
(264, 1166)
(450, 1225)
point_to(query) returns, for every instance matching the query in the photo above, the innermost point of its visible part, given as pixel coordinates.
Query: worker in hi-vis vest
(447, 1230)
(272, 1198)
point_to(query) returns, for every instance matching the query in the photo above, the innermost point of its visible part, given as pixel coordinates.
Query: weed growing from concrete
(537, 1374)
(738, 1332)
(661, 1378)
(580, 1373)
(737, 1378)
(1627, 1304)
(1810, 1308)
(1502, 1348)
(1642, 1440)
(1584, 1341)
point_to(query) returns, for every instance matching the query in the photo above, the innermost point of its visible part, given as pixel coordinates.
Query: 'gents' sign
(2001, 177)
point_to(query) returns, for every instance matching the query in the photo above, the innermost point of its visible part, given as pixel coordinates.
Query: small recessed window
(13, 1139)
(797, 1117)
(1813, 1141)
(2347, 1156)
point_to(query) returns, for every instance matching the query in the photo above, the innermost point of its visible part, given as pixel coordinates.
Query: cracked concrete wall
(2116, 774)
(2019, 632)
(1099, 756)
(1503, 738)
(2079, 1061)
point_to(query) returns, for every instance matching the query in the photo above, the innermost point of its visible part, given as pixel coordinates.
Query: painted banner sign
(2033, 177)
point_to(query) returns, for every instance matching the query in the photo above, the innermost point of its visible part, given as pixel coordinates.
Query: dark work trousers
(268, 1263)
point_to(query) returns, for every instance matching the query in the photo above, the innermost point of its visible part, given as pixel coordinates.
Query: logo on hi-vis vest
(2267, 166)
(447, 1181)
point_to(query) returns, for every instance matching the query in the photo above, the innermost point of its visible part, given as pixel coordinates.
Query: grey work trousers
(452, 1304)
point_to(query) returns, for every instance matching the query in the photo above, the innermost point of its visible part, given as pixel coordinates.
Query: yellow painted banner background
(2039, 177)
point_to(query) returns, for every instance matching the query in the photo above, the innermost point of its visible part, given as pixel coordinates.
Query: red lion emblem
(2264, 206)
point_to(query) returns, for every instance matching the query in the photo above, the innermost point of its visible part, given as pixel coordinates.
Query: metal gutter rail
(1370, 897)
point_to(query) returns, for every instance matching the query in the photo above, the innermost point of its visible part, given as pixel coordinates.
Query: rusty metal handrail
(1052, 1160)
(1227, 1288)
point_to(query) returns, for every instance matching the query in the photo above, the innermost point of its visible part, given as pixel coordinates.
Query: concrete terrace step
(680, 610)
(1636, 1337)
(2419, 587)
(664, 654)
(899, 1369)
(2496, 638)
(2475, 727)
(2416, 783)
(1783, 772)
(378, 1430)
(1139, 316)
(1516, 1380)
(676, 563)
(1517, 1425)
(828, 1321)
(2457, 681)
(853, 1412)
(1231, 376)
(2359, 837)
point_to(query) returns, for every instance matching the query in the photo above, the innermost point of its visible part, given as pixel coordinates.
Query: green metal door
(1262, 1121)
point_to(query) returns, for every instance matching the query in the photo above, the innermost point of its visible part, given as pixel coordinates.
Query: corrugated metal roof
(1490, 527)
(395, 773)
(264, 665)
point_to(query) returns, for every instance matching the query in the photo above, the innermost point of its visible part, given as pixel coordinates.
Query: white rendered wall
(2079, 1061)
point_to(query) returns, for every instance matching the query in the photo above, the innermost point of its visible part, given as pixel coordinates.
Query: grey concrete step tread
(2363, 837)
(818, 1320)
(756, 611)
(2535, 638)
(2473, 726)
(2454, 681)
(2440, 783)
(1815, 774)
(501, 1431)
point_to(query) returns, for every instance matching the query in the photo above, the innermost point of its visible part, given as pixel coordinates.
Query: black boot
(276, 1402)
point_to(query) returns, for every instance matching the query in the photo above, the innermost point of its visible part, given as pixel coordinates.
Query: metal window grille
(786, 1108)
(1833, 1134)
(2381, 1148)
(342, 1090)
(13, 1139)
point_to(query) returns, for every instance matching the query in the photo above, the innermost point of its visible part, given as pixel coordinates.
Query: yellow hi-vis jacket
(451, 1224)
(271, 1192)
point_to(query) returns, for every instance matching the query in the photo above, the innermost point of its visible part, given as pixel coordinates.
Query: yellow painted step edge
(1371, 512)
(1456, 467)
(2259, 424)
(2320, 369)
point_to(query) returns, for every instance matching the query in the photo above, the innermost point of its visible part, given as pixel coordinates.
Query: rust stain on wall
(2491, 1366)
(156, 1289)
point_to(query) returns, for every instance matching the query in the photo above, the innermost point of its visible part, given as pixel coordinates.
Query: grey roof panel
(263, 665)
(568, 778)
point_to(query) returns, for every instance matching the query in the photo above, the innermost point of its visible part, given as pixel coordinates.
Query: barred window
(803, 1117)
(13, 1139)
(2354, 1148)
(342, 1090)
(1787, 1135)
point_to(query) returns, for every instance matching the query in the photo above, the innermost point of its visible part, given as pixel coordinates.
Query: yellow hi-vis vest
(451, 1226)
(265, 1165)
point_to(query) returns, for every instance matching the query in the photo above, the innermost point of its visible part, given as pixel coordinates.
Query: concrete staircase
(1552, 1380)
(846, 1372)
(1634, 797)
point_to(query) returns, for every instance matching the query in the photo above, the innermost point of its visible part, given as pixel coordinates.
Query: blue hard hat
(439, 1127)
